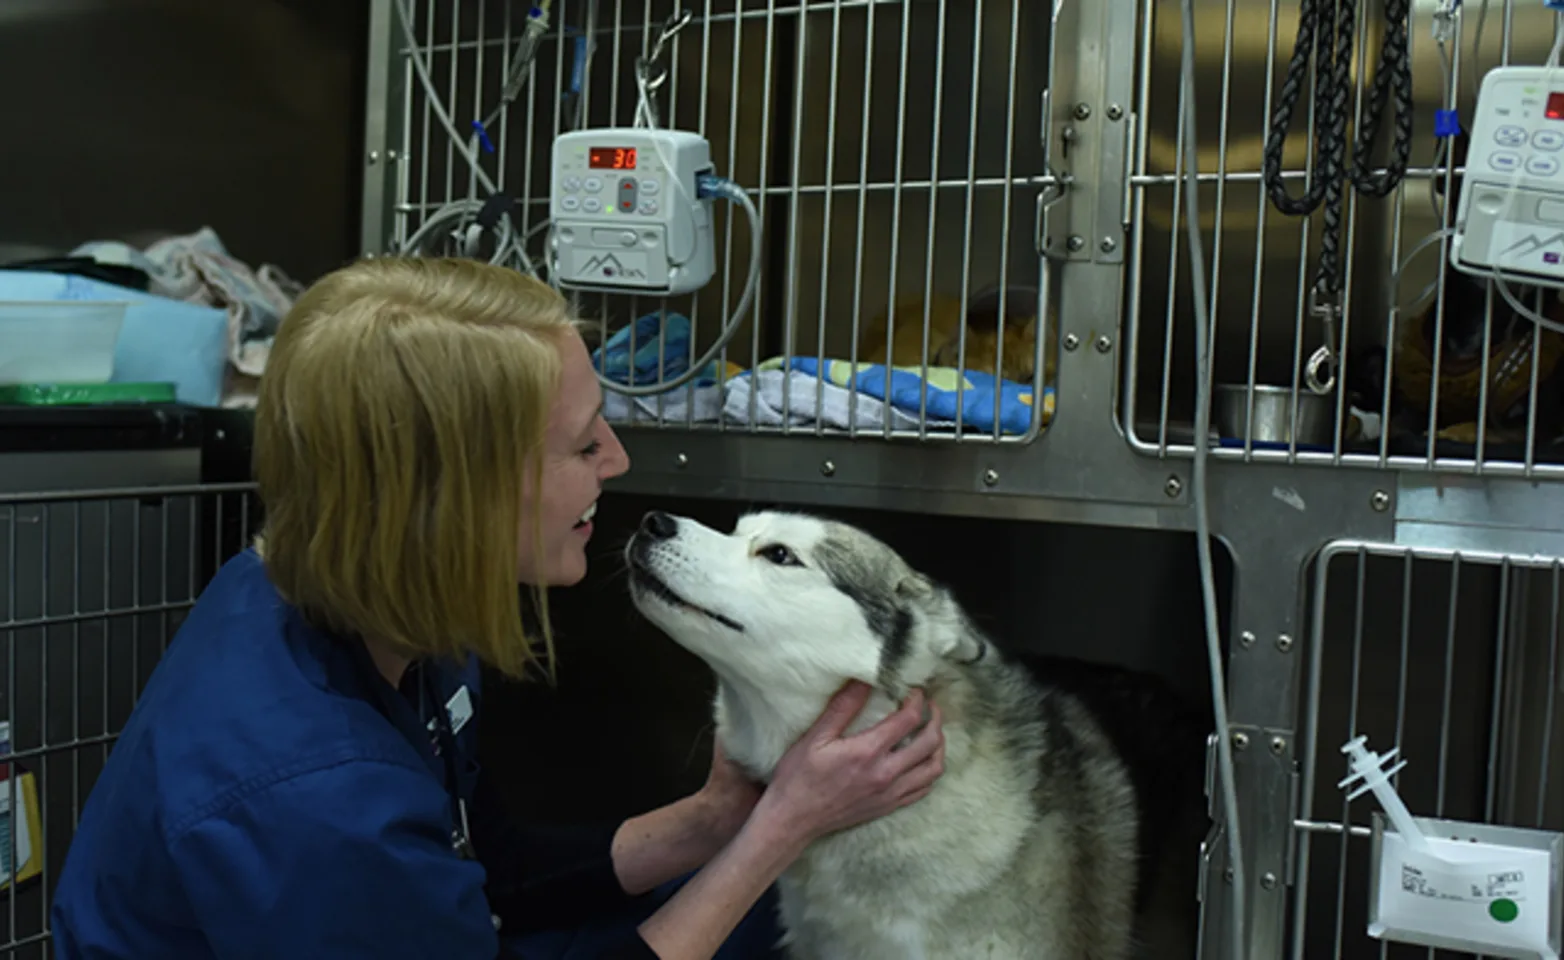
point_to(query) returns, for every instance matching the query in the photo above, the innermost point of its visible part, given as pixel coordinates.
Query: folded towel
(676, 406)
(838, 408)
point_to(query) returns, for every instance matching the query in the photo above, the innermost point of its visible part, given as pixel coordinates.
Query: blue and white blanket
(905, 389)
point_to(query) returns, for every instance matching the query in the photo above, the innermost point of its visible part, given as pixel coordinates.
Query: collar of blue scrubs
(349, 669)
(408, 708)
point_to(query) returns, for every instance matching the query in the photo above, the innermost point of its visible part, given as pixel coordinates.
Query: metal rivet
(1104, 344)
(1268, 881)
(1107, 245)
(374, 156)
(1115, 111)
(1173, 486)
(1278, 746)
(391, 155)
(1246, 638)
(1380, 501)
(682, 460)
(1240, 741)
(990, 477)
(1071, 341)
(1082, 111)
(1077, 243)
(1284, 642)
(828, 468)
(1228, 874)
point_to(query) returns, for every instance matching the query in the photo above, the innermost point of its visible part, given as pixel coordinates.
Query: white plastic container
(1472, 887)
(63, 341)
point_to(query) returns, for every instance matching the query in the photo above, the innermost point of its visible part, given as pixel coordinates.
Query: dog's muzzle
(658, 528)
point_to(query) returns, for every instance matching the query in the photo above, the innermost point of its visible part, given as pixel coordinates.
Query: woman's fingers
(930, 739)
(839, 713)
(884, 735)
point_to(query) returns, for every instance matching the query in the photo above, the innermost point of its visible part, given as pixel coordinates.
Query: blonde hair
(404, 401)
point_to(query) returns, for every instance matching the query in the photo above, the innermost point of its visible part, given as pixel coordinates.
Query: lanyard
(461, 837)
(409, 719)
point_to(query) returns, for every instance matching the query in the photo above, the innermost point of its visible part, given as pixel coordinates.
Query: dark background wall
(127, 119)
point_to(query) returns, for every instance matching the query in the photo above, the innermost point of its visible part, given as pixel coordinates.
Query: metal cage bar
(893, 149)
(1439, 374)
(95, 584)
(870, 191)
(1454, 657)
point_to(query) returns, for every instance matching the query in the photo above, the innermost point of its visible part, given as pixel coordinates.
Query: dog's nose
(659, 526)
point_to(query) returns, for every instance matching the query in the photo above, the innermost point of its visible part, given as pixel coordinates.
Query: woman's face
(580, 451)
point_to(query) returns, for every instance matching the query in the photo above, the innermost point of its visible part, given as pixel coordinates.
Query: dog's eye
(779, 555)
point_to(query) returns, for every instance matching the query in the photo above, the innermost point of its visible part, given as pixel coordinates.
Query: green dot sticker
(1503, 910)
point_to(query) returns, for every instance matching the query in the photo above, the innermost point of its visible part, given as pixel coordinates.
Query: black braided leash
(1332, 107)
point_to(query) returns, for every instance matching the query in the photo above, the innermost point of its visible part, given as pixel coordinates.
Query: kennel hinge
(1294, 802)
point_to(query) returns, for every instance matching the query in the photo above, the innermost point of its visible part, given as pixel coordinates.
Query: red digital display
(1555, 109)
(623, 158)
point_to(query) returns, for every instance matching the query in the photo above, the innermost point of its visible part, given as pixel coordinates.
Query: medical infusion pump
(626, 214)
(1511, 215)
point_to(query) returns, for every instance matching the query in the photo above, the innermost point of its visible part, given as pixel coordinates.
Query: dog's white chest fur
(922, 882)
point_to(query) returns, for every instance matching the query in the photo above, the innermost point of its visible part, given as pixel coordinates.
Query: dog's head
(794, 603)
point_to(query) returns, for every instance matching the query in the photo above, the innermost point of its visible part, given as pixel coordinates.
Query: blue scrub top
(273, 796)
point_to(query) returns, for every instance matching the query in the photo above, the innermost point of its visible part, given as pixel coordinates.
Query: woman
(298, 777)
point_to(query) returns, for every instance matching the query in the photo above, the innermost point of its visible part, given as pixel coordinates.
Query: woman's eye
(592, 448)
(780, 555)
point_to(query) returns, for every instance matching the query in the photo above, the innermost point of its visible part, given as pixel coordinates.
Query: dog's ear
(954, 636)
(963, 646)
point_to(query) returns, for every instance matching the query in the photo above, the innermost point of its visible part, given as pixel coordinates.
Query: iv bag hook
(650, 71)
(671, 27)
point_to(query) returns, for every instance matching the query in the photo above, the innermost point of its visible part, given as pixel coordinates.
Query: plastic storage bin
(59, 341)
(162, 341)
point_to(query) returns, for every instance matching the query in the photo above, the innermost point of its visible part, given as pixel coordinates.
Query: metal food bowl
(1273, 409)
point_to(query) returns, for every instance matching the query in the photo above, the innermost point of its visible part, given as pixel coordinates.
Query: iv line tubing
(1197, 492)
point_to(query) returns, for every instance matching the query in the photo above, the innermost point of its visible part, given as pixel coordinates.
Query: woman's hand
(827, 782)
(728, 796)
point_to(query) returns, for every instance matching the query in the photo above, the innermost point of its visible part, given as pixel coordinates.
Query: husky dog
(1027, 845)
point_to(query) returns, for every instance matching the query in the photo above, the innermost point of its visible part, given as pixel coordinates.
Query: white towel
(838, 407)
(676, 406)
(197, 268)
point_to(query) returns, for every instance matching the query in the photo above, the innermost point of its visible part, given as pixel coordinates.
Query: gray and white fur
(1026, 847)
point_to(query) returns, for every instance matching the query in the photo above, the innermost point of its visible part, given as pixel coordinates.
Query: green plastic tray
(80, 394)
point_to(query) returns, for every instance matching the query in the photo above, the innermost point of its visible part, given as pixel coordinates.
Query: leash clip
(1320, 372)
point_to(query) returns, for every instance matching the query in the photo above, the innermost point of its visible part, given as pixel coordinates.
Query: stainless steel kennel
(926, 149)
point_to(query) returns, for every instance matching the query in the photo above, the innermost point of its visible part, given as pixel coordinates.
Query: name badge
(459, 709)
